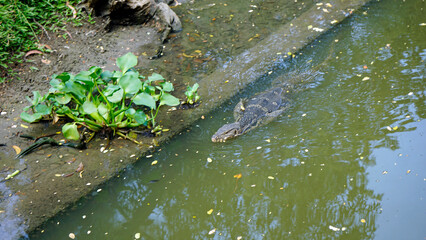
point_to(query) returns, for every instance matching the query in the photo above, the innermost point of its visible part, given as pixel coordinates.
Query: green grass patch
(23, 21)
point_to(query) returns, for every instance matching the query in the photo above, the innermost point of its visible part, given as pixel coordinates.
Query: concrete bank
(40, 192)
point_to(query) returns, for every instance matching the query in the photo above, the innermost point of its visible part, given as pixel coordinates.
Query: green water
(346, 161)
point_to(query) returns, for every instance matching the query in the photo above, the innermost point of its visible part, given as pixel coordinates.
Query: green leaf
(104, 111)
(43, 109)
(89, 107)
(95, 72)
(127, 61)
(168, 99)
(70, 131)
(107, 76)
(113, 93)
(144, 99)
(75, 88)
(150, 90)
(37, 98)
(31, 117)
(155, 77)
(130, 112)
(140, 117)
(167, 86)
(56, 84)
(85, 79)
(63, 110)
(64, 77)
(195, 87)
(130, 82)
(63, 98)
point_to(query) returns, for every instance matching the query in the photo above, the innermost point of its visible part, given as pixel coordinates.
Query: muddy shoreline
(39, 192)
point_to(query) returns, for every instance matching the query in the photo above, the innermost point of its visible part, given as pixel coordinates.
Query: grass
(22, 22)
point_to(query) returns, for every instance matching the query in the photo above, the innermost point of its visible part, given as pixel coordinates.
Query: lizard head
(226, 132)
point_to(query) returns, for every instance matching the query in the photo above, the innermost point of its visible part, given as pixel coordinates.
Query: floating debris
(333, 228)
(10, 176)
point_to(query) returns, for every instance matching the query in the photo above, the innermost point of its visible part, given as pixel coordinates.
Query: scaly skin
(260, 109)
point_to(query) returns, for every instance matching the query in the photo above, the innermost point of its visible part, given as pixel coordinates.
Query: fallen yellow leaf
(186, 55)
(17, 149)
(154, 162)
(210, 211)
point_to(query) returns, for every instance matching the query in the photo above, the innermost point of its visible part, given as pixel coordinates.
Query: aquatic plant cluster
(191, 94)
(102, 100)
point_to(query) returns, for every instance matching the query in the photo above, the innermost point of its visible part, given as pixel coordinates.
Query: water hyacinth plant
(192, 94)
(102, 100)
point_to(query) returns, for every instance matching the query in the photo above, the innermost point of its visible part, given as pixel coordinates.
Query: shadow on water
(311, 174)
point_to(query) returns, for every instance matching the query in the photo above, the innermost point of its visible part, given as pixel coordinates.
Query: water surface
(346, 161)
